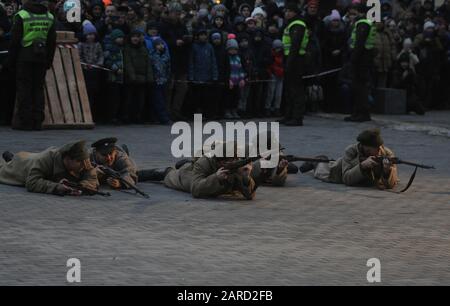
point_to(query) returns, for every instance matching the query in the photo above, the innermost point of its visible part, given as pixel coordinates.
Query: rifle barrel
(414, 164)
(306, 159)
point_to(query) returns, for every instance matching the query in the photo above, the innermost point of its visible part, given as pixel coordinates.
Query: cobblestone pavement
(307, 233)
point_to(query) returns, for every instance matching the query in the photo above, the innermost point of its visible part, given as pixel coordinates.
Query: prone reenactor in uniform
(359, 166)
(105, 152)
(205, 177)
(48, 171)
(32, 48)
(271, 176)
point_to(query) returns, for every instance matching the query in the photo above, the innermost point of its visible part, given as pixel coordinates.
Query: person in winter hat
(260, 16)
(116, 90)
(160, 59)
(247, 58)
(219, 45)
(202, 72)
(91, 53)
(235, 77)
(404, 77)
(276, 73)
(138, 74)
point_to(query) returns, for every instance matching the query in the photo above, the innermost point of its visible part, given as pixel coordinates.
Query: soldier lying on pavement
(105, 152)
(206, 177)
(271, 176)
(50, 170)
(358, 165)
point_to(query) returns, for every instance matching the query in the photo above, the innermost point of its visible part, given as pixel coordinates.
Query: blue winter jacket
(202, 63)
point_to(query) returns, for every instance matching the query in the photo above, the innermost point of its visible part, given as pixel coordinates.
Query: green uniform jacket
(41, 172)
(268, 176)
(123, 164)
(180, 179)
(347, 170)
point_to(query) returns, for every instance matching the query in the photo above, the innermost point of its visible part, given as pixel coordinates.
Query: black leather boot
(7, 156)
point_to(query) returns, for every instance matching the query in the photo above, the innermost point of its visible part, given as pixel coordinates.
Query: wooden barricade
(66, 99)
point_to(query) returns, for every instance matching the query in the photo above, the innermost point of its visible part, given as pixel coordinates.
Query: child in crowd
(161, 71)
(116, 90)
(221, 59)
(91, 53)
(247, 59)
(202, 72)
(275, 88)
(138, 74)
(236, 79)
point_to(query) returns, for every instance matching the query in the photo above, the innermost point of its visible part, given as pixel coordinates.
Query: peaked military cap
(105, 145)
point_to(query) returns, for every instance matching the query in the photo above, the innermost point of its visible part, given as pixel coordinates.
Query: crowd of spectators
(157, 61)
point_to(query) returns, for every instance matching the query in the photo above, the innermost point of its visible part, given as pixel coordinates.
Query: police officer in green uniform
(33, 42)
(362, 55)
(295, 40)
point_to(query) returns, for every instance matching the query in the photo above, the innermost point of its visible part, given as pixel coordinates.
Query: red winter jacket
(276, 68)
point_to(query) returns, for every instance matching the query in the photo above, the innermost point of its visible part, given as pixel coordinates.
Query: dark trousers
(231, 98)
(176, 93)
(116, 102)
(7, 94)
(159, 106)
(295, 93)
(360, 89)
(92, 78)
(135, 103)
(202, 97)
(331, 103)
(30, 80)
(360, 74)
(256, 101)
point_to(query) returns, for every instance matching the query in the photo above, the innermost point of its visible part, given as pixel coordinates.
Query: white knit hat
(259, 10)
(429, 24)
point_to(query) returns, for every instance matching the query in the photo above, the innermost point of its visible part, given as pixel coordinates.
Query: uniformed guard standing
(31, 53)
(362, 45)
(295, 41)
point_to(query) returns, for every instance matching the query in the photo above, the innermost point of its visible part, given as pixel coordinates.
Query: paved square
(307, 233)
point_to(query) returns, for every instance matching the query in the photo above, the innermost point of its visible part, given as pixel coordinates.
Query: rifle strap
(411, 180)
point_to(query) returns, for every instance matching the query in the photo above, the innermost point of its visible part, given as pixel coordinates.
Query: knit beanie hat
(335, 15)
(259, 11)
(116, 33)
(429, 24)
(216, 35)
(277, 44)
(88, 28)
(232, 44)
(202, 13)
(407, 43)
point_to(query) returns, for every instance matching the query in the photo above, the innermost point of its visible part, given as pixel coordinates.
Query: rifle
(397, 161)
(115, 175)
(234, 165)
(86, 190)
(293, 158)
